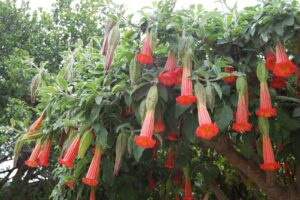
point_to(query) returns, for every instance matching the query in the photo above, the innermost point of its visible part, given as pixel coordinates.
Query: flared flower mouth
(66, 163)
(144, 58)
(186, 100)
(178, 74)
(270, 166)
(270, 62)
(277, 83)
(242, 127)
(230, 79)
(172, 136)
(207, 131)
(167, 78)
(284, 69)
(71, 185)
(43, 163)
(31, 163)
(144, 141)
(90, 182)
(266, 112)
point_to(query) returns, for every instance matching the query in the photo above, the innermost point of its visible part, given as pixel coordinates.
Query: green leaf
(140, 91)
(179, 109)
(101, 133)
(163, 92)
(189, 126)
(63, 84)
(296, 112)
(211, 174)
(98, 100)
(107, 167)
(217, 89)
(94, 113)
(289, 21)
(223, 116)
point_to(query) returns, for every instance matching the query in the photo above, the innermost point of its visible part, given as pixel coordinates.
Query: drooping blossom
(92, 194)
(268, 155)
(33, 159)
(159, 126)
(36, 125)
(113, 40)
(145, 56)
(186, 98)
(277, 83)
(178, 74)
(188, 195)
(71, 153)
(270, 60)
(284, 67)
(206, 128)
(230, 79)
(109, 25)
(168, 77)
(265, 110)
(170, 159)
(172, 136)
(43, 158)
(91, 178)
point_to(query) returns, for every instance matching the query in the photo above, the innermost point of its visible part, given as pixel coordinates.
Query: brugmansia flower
(206, 128)
(109, 25)
(37, 124)
(91, 178)
(152, 183)
(172, 136)
(186, 98)
(242, 125)
(265, 109)
(188, 195)
(284, 67)
(145, 138)
(270, 60)
(277, 83)
(178, 74)
(145, 56)
(168, 77)
(268, 155)
(230, 79)
(170, 159)
(92, 194)
(113, 40)
(71, 153)
(33, 159)
(159, 126)
(44, 154)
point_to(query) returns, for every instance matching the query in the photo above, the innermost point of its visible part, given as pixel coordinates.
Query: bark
(217, 191)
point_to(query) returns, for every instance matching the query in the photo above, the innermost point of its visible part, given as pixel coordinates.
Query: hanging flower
(43, 158)
(187, 96)
(159, 127)
(268, 155)
(277, 83)
(242, 125)
(284, 67)
(188, 195)
(113, 40)
(33, 159)
(91, 178)
(92, 194)
(270, 60)
(206, 128)
(265, 109)
(152, 183)
(145, 56)
(145, 138)
(230, 79)
(71, 153)
(168, 77)
(170, 159)
(37, 124)
(178, 74)
(109, 25)
(172, 136)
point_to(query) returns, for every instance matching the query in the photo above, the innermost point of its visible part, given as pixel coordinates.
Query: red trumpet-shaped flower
(145, 139)
(170, 159)
(268, 155)
(265, 109)
(178, 74)
(172, 136)
(91, 178)
(92, 194)
(145, 56)
(43, 158)
(277, 83)
(152, 183)
(71, 153)
(206, 128)
(33, 159)
(159, 127)
(188, 195)
(168, 77)
(36, 125)
(270, 60)
(187, 96)
(230, 79)
(242, 125)
(284, 67)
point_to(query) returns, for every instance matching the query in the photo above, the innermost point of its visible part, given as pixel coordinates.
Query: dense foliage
(100, 110)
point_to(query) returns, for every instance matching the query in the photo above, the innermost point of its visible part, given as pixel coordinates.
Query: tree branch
(213, 186)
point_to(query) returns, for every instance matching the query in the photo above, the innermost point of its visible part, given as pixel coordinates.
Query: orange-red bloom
(277, 83)
(268, 155)
(230, 79)
(33, 159)
(168, 78)
(159, 127)
(284, 67)
(71, 153)
(270, 60)
(145, 139)
(178, 74)
(91, 178)
(172, 136)
(265, 109)
(145, 56)
(242, 125)
(170, 159)
(187, 96)
(206, 128)
(43, 158)
(36, 125)
(188, 195)
(92, 194)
